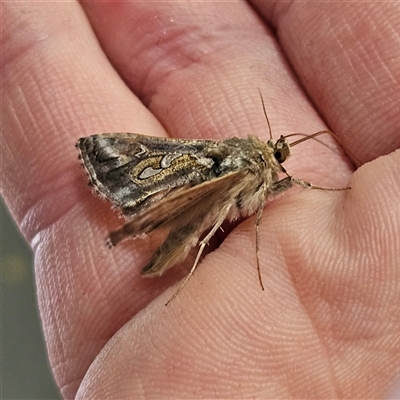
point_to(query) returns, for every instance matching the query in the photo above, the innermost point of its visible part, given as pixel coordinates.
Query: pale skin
(327, 324)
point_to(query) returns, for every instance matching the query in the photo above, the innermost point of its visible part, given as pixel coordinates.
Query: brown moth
(188, 186)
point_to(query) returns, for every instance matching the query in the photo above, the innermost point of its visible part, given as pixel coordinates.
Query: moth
(189, 187)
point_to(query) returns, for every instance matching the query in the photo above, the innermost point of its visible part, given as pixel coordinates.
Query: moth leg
(282, 185)
(308, 185)
(289, 181)
(258, 221)
(203, 244)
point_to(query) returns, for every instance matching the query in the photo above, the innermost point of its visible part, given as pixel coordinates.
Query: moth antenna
(307, 137)
(265, 113)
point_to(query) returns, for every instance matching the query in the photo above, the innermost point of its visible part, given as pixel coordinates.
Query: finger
(346, 56)
(202, 82)
(57, 85)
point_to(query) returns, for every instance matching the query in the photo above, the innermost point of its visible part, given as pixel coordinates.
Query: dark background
(25, 372)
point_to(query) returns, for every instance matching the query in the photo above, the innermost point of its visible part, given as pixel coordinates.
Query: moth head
(281, 149)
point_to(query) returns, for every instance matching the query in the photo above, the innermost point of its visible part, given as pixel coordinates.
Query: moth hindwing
(187, 186)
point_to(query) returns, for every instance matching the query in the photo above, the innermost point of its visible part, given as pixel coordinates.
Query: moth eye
(279, 157)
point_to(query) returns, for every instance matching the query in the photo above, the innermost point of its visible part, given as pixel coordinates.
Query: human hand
(327, 324)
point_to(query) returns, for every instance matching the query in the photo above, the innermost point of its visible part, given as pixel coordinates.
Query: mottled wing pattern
(135, 171)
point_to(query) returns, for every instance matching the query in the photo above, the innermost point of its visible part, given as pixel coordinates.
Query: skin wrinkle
(53, 187)
(12, 52)
(328, 365)
(174, 43)
(305, 309)
(175, 49)
(311, 319)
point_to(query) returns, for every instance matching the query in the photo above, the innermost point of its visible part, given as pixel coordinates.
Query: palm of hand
(328, 322)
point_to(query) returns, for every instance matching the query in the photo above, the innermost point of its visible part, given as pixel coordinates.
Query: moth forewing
(134, 171)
